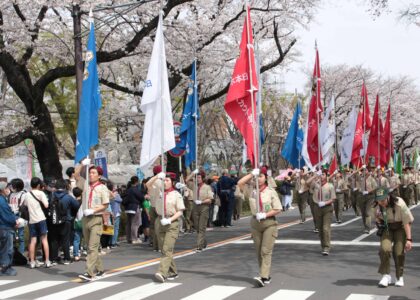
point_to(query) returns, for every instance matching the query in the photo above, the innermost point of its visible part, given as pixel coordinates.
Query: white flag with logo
(158, 131)
(327, 130)
(346, 143)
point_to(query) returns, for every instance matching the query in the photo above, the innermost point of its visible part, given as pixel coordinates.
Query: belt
(268, 218)
(166, 217)
(225, 191)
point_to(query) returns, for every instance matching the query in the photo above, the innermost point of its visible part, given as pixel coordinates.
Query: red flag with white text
(356, 158)
(376, 146)
(333, 165)
(389, 146)
(238, 103)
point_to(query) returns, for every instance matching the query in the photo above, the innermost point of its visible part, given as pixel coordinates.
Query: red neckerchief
(164, 199)
(261, 190)
(92, 187)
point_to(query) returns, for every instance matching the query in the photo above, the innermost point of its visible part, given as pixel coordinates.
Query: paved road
(225, 270)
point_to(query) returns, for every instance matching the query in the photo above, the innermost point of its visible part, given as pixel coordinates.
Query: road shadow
(356, 282)
(399, 298)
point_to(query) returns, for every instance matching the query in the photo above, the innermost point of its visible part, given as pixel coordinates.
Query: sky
(346, 33)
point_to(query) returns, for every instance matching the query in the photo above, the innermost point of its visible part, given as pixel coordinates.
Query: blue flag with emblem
(188, 127)
(292, 148)
(90, 102)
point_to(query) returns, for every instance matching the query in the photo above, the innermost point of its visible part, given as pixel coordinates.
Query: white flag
(158, 131)
(346, 143)
(327, 130)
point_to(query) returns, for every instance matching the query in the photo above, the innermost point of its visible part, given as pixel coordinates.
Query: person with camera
(393, 219)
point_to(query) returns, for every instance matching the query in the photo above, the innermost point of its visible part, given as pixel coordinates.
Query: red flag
(366, 111)
(356, 158)
(333, 165)
(376, 144)
(388, 139)
(314, 115)
(238, 103)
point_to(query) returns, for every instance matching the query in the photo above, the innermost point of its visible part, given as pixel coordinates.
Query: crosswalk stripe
(3, 282)
(290, 294)
(215, 292)
(80, 291)
(143, 291)
(28, 288)
(366, 297)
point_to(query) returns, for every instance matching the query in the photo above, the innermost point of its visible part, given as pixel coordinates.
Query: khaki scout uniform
(188, 203)
(365, 201)
(340, 186)
(354, 193)
(200, 214)
(311, 201)
(239, 200)
(412, 189)
(302, 196)
(324, 214)
(92, 225)
(264, 232)
(382, 181)
(393, 238)
(154, 194)
(394, 184)
(416, 186)
(405, 188)
(168, 234)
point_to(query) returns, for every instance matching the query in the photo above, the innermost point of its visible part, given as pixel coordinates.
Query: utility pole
(78, 59)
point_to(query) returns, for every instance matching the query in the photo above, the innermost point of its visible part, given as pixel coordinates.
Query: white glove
(88, 212)
(270, 173)
(179, 186)
(391, 190)
(335, 172)
(165, 221)
(365, 192)
(255, 172)
(161, 175)
(260, 216)
(363, 167)
(22, 222)
(195, 172)
(86, 162)
(298, 171)
(355, 189)
(321, 204)
(378, 167)
(319, 172)
(338, 190)
(198, 202)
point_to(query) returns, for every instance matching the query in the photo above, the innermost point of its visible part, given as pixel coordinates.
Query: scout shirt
(366, 183)
(301, 185)
(405, 180)
(171, 203)
(340, 185)
(154, 192)
(394, 181)
(205, 192)
(328, 192)
(400, 213)
(383, 182)
(268, 200)
(271, 182)
(97, 194)
(352, 182)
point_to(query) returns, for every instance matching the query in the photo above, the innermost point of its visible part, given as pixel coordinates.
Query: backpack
(56, 212)
(283, 189)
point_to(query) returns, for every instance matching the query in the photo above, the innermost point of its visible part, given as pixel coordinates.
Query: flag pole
(162, 152)
(317, 116)
(251, 90)
(195, 91)
(379, 132)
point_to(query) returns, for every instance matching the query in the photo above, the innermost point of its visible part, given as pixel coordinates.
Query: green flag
(399, 166)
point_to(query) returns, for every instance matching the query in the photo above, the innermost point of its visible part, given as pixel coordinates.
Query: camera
(381, 228)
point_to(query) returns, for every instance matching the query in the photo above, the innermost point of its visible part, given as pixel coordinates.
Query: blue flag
(187, 132)
(90, 102)
(292, 148)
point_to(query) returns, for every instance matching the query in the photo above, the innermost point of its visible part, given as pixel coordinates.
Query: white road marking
(3, 282)
(316, 242)
(80, 290)
(346, 223)
(28, 288)
(366, 297)
(290, 294)
(143, 291)
(215, 292)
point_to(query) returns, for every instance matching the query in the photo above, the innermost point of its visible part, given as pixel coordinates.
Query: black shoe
(100, 273)
(173, 276)
(266, 280)
(259, 281)
(86, 277)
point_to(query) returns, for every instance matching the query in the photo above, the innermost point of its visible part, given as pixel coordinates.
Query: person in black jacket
(132, 203)
(288, 187)
(60, 234)
(225, 188)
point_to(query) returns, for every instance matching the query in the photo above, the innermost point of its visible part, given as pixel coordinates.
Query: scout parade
(358, 172)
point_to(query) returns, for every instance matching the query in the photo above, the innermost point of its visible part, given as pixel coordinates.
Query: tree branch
(16, 138)
(120, 88)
